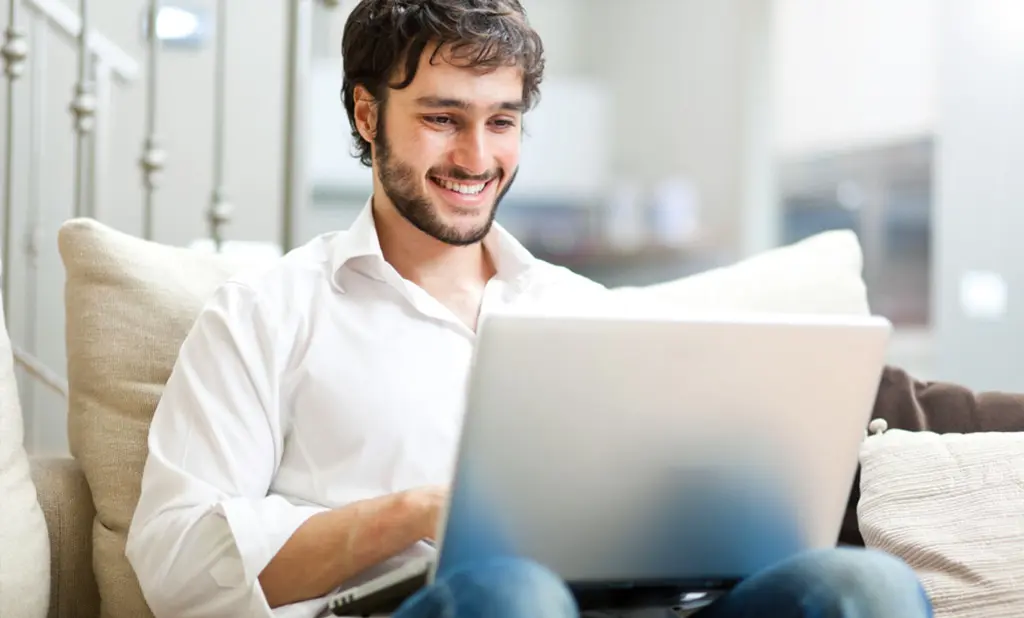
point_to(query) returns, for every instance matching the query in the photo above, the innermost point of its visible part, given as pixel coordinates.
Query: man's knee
(858, 568)
(859, 582)
(505, 588)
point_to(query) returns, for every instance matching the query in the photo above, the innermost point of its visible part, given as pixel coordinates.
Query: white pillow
(24, 541)
(952, 507)
(820, 274)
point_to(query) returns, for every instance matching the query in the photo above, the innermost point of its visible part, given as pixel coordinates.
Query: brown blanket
(906, 403)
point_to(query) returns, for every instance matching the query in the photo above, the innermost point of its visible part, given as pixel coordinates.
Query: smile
(460, 187)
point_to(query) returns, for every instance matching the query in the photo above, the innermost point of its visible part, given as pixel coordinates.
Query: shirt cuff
(261, 527)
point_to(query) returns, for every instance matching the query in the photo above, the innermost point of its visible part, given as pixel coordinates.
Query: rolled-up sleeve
(206, 524)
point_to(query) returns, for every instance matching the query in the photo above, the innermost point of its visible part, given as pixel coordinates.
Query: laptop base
(384, 595)
(679, 596)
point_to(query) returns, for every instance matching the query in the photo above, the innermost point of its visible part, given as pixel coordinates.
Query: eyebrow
(439, 102)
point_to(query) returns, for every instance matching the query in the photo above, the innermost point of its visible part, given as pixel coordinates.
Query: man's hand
(429, 502)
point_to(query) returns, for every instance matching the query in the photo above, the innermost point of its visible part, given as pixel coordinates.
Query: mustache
(462, 175)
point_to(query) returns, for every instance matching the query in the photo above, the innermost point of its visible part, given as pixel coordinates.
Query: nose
(472, 152)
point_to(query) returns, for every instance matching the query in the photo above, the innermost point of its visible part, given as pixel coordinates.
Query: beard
(405, 190)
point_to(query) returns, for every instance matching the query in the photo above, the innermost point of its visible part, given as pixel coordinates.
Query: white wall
(980, 196)
(853, 72)
(679, 71)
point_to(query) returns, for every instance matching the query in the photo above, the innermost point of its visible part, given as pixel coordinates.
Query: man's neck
(427, 261)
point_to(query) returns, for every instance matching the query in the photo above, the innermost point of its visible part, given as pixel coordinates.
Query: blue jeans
(836, 583)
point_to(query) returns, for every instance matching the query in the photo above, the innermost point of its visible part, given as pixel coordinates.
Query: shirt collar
(360, 240)
(512, 260)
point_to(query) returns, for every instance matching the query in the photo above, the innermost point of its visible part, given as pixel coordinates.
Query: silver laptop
(649, 458)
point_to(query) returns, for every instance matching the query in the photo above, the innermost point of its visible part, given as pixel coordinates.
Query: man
(306, 434)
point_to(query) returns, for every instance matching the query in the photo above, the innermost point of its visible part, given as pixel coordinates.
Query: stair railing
(102, 65)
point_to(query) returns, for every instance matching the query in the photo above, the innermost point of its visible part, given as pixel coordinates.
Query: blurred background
(673, 136)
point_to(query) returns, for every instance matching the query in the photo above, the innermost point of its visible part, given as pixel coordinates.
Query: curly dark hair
(380, 35)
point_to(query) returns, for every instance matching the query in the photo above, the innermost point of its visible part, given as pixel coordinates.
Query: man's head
(435, 91)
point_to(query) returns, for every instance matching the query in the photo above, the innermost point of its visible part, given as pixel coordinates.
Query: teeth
(460, 188)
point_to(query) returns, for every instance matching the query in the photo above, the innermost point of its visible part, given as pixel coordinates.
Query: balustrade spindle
(15, 52)
(83, 107)
(219, 213)
(102, 80)
(296, 82)
(153, 156)
(299, 50)
(37, 205)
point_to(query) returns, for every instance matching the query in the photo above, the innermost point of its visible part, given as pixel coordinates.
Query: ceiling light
(177, 25)
(174, 24)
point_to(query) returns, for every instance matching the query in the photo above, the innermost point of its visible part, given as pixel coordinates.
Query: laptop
(650, 459)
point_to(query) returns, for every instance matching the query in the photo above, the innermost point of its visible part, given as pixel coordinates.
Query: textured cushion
(952, 507)
(67, 505)
(129, 305)
(820, 274)
(905, 402)
(24, 543)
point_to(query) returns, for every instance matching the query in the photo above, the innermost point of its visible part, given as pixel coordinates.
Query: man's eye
(505, 124)
(439, 120)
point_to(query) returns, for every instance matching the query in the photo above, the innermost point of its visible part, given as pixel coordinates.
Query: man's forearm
(333, 546)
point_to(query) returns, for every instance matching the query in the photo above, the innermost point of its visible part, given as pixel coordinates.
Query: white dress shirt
(323, 379)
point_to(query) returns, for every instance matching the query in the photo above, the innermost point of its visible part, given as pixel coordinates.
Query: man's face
(447, 147)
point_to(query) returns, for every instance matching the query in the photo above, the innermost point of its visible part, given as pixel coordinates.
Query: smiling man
(306, 434)
(439, 118)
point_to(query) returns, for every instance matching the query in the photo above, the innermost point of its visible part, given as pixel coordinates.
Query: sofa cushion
(24, 542)
(951, 506)
(67, 505)
(820, 274)
(129, 304)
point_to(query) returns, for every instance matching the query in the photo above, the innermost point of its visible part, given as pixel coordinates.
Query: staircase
(39, 194)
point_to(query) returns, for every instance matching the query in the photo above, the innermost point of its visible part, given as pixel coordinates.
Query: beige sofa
(130, 303)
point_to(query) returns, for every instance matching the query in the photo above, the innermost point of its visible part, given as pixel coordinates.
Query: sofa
(129, 304)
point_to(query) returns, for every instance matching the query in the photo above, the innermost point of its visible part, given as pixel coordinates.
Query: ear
(365, 113)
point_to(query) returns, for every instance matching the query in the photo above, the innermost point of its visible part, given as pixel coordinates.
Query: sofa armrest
(907, 403)
(67, 505)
